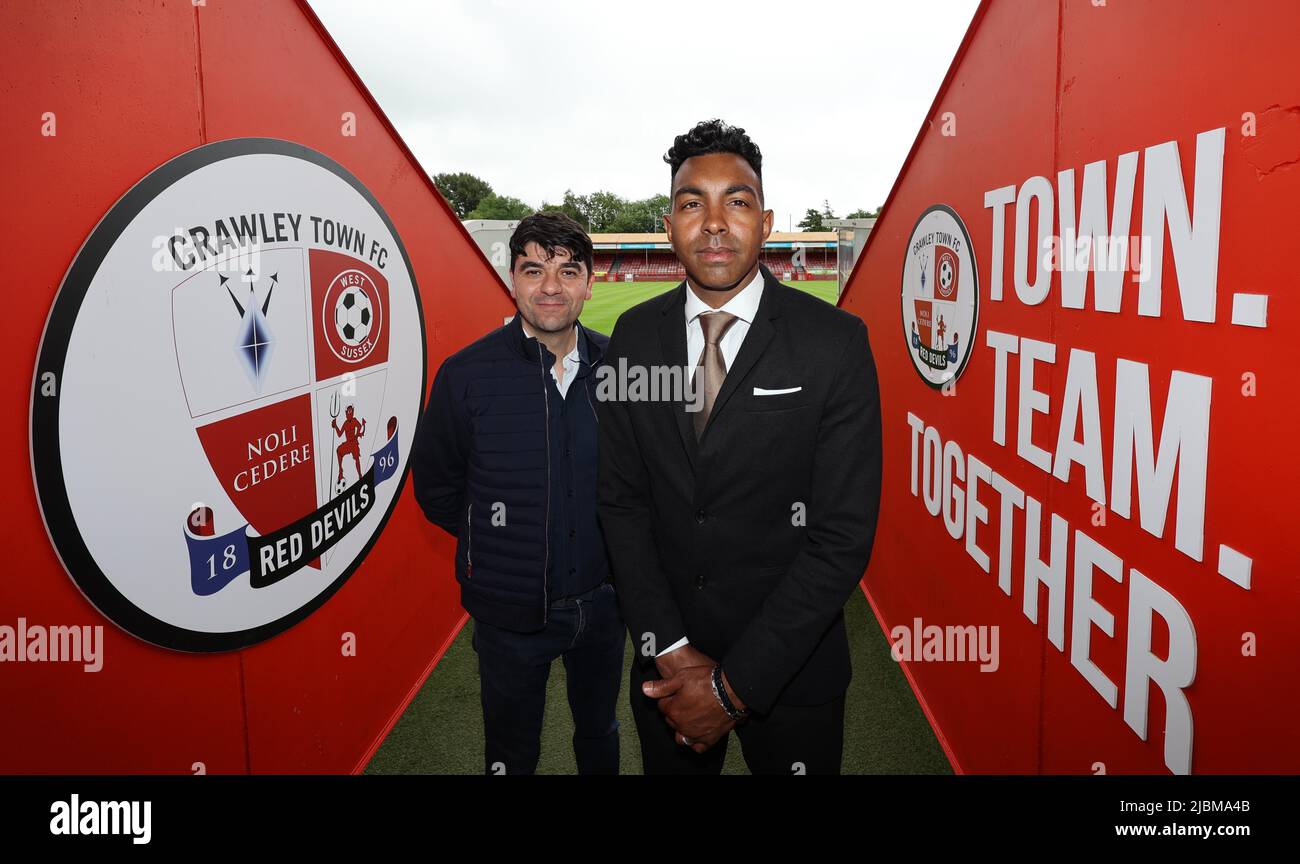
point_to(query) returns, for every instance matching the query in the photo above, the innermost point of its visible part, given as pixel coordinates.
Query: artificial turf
(441, 732)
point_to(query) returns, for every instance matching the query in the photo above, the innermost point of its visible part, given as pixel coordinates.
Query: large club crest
(262, 405)
(940, 296)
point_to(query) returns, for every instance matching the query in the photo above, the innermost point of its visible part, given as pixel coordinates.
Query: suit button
(699, 517)
(699, 581)
(572, 534)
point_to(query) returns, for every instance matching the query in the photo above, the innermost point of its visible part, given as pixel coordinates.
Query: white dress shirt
(744, 306)
(570, 361)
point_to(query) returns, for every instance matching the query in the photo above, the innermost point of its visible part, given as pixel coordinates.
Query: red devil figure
(351, 432)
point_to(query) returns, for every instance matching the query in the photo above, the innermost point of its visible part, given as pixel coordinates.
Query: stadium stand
(649, 257)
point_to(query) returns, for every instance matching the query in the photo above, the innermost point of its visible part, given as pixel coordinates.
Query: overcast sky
(539, 97)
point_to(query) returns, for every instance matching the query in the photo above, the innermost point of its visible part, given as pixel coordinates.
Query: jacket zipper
(546, 558)
(469, 541)
(586, 388)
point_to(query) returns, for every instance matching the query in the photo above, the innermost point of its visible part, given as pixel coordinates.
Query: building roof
(777, 240)
(776, 237)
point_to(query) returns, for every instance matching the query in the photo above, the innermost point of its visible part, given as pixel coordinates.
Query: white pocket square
(760, 391)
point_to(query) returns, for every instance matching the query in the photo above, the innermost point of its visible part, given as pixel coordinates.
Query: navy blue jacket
(506, 465)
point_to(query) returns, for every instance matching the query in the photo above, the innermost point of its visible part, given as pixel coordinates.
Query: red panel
(1034, 98)
(1173, 72)
(118, 115)
(134, 84)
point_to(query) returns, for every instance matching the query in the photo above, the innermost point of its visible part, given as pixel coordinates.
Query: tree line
(472, 197)
(815, 220)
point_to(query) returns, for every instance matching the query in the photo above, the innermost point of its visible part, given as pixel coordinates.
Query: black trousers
(588, 632)
(789, 740)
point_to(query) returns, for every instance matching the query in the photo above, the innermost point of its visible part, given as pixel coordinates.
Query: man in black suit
(738, 531)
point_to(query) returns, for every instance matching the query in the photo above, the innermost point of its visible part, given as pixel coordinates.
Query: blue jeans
(588, 632)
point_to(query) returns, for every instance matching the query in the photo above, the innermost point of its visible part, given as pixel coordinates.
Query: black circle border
(975, 275)
(46, 456)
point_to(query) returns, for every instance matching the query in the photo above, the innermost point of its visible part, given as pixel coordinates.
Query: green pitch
(610, 299)
(441, 732)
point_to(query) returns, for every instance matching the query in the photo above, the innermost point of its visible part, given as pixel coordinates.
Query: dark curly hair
(714, 136)
(551, 230)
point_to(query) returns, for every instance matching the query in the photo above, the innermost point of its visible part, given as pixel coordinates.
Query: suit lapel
(672, 340)
(756, 342)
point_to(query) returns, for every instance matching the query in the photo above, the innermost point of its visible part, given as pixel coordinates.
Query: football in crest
(353, 316)
(945, 275)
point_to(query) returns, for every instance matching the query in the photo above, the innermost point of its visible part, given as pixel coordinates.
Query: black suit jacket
(751, 541)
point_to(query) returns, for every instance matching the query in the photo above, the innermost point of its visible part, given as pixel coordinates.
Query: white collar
(744, 305)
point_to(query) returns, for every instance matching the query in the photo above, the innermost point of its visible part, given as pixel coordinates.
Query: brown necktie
(712, 366)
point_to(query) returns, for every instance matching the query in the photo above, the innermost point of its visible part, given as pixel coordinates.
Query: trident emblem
(335, 408)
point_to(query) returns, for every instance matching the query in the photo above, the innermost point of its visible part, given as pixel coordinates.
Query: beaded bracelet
(720, 692)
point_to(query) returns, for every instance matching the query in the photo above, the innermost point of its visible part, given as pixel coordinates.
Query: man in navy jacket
(505, 461)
